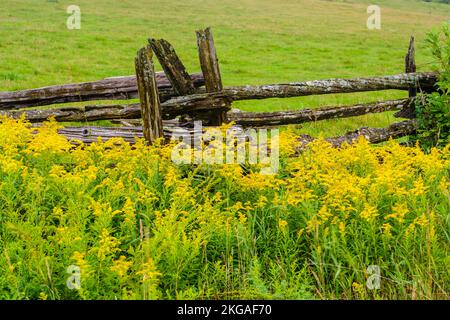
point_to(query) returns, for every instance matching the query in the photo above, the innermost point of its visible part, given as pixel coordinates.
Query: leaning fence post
(148, 95)
(211, 72)
(410, 65)
(173, 67)
(409, 111)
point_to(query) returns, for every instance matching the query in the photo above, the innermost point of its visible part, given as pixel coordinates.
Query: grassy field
(114, 221)
(258, 42)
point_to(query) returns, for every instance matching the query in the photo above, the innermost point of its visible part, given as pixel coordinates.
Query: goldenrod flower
(107, 245)
(419, 187)
(369, 212)
(149, 271)
(399, 212)
(342, 228)
(121, 266)
(282, 224)
(386, 227)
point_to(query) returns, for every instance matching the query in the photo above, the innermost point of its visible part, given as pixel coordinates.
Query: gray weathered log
(128, 122)
(201, 100)
(80, 92)
(148, 95)
(330, 86)
(211, 72)
(193, 103)
(262, 119)
(109, 112)
(81, 114)
(206, 101)
(129, 134)
(172, 66)
(373, 135)
(172, 123)
(91, 134)
(116, 88)
(132, 111)
(317, 87)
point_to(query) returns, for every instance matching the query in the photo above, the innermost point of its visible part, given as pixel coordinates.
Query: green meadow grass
(258, 42)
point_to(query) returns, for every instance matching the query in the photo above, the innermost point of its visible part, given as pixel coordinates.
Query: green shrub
(432, 110)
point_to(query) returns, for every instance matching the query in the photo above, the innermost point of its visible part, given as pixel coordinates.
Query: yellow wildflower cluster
(139, 225)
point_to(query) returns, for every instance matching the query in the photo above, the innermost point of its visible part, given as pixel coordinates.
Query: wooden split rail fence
(174, 98)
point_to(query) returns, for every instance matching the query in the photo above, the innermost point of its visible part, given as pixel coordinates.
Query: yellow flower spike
(262, 201)
(411, 228)
(282, 224)
(386, 227)
(287, 143)
(8, 261)
(238, 206)
(91, 173)
(107, 245)
(80, 261)
(115, 212)
(129, 210)
(335, 220)
(399, 211)
(149, 271)
(242, 218)
(171, 177)
(419, 187)
(369, 212)
(312, 224)
(217, 197)
(358, 288)
(422, 220)
(43, 296)
(57, 212)
(121, 266)
(47, 139)
(324, 214)
(342, 228)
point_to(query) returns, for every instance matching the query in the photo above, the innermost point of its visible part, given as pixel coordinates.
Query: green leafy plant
(432, 110)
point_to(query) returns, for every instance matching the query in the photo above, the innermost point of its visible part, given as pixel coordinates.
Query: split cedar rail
(175, 98)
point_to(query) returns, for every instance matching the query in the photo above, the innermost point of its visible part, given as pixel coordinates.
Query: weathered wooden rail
(260, 119)
(89, 134)
(248, 119)
(174, 98)
(115, 88)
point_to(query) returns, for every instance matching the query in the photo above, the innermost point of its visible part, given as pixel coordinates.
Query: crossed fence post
(180, 80)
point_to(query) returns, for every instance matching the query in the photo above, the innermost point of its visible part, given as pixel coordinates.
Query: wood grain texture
(262, 119)
(316, 87)
(410, 64)
(148, 95)
(329, 86)
(409, 111)
(174, 69)
(90, 134)
(125, 88)
(209, 63)
(169, 110)
(116, 88)
(246, 119)
(373, 135)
